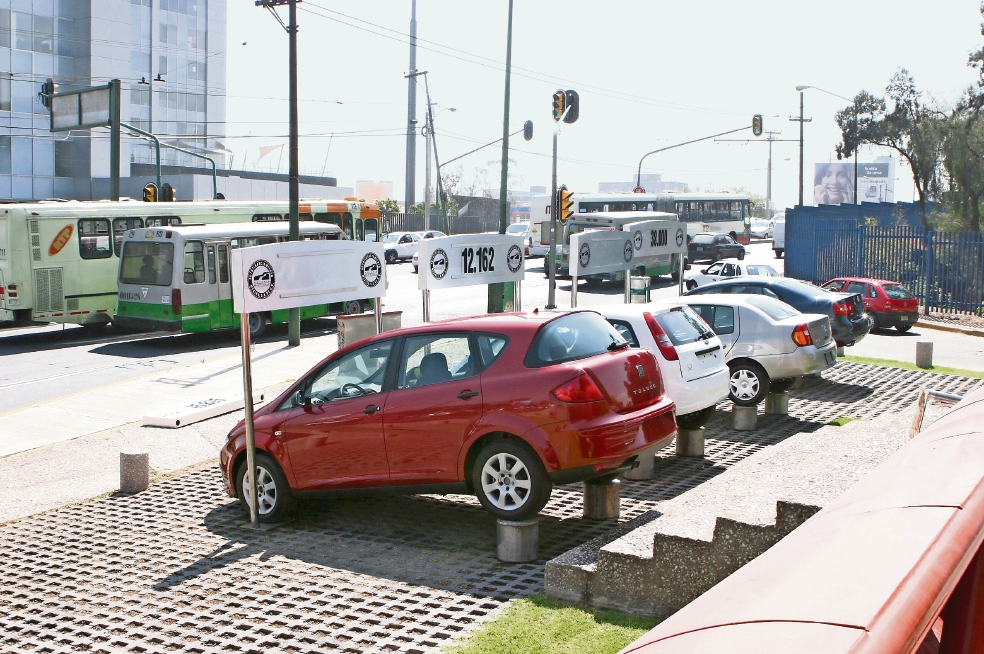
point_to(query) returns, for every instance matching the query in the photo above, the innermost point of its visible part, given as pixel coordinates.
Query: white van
(779, 238)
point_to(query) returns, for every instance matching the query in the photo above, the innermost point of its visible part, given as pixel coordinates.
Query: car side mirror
(300, 399)
(686, 266)
(704, 271)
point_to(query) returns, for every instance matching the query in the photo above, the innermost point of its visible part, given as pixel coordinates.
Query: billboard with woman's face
(833, 183)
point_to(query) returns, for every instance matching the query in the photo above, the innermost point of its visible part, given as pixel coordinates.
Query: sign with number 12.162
(477, 260)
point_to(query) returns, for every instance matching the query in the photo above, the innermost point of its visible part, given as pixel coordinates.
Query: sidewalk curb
(951, 328)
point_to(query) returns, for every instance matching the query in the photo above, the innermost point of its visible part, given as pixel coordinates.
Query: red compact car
(500, 406)
(887, 304)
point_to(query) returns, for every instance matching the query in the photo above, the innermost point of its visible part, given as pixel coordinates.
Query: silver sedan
(767, 343)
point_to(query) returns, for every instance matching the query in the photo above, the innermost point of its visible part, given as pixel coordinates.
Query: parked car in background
(501, 406)
(767, 343)
(721, 270)
(779, 238)
(714, 247)
(431, 234)
(848, 321)
(887, 303)
(761, 228)
(531, 245)
(691, 358)
(400, 246)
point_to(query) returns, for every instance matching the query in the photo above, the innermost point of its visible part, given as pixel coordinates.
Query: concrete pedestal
(690, 442)
(840, 351)
(647, 465)
(924, 354)
(519, 541)
(777, 404)
(744, 418)
(601, 501)
(134, 472)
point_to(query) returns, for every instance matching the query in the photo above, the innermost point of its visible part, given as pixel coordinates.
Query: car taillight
(843, 308)
(1, 290)
(714, 248)
(12, 290)
(176, 301)
(580, 389)
(663, 341)
(888, 304)
(801, 336)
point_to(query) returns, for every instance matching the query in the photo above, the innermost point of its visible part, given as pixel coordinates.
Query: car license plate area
(904, 318)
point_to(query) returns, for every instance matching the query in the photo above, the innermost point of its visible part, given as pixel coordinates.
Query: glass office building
(169, 56)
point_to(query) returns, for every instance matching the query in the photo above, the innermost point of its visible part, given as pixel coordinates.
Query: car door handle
(465, 395)
(371, 409)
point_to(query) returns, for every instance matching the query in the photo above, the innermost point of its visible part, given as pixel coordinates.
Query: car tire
(696, 419)
(510, 480)
(903, 328)
(748, 383)
(275, 498)
(415, 270)
(781, 385)
(353, 307)
(718, 256)
(391, 256)
(258, 323)
(675, 276)
(873, 319)
(741, 255)
(691, 284)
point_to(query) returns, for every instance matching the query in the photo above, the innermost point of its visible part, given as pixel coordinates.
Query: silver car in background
(767, 343)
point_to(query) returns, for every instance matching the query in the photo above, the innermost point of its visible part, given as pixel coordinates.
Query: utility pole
(496, 299)
(428, 127)
(801, 120)
(770, 139)
(411, 112)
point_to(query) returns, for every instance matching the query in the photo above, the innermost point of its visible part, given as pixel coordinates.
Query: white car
(400, 246)
(766, 342)
(721, 270)
(532, 242)
(691, 358)
(761, 228)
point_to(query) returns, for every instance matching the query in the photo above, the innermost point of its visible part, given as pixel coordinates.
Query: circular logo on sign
(627, 251)
(514, 258)
(260, 279)
(439, 263)
(637, 239)
(371, 270)
(583, 255)
(679, 236)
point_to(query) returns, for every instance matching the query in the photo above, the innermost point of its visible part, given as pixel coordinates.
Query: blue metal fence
(945, 270)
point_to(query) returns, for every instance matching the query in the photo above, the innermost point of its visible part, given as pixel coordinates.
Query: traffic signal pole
(496, 290)
(552, 268)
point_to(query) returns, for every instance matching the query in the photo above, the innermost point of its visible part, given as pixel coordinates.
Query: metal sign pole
(573, 289)
(254, 515)
(681, 273)
(426, 295)
(628, 286)
(517, 296)
(378, 310)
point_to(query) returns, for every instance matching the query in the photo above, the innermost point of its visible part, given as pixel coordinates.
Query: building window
(140, 97)
(5, 91)
(4, 155)
(140, 62)
(162, 65)
(4, 28)
(44, 34)
(64, 152)
(23, 31)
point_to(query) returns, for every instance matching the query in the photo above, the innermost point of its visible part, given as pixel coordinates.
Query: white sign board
(469, 259)
(601, 251)
(305, 273)
(655, 240)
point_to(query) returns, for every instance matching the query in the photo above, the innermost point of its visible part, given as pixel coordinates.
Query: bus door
(212, 287)
(347, 225)
(225, 286)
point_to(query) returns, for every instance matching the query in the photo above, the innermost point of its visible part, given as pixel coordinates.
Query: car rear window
(683, 326)
(571, 337)
(703, 238)
(803, 288)
(516, 229)
(775, 309)
(897, 292)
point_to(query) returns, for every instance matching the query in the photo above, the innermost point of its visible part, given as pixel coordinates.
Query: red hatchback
(887, 304)
(501, 406)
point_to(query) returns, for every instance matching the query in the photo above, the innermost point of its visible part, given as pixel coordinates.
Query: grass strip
(542, 625)
(891, 363)
(843, 420)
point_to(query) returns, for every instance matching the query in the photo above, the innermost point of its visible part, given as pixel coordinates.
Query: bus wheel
(257, 324)
(353, 307)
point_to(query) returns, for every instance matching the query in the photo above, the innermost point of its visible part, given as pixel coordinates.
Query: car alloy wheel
(749, 383)
(391, 256)
(273, 492)
(741, 255)
(873, 319)
(510, 480)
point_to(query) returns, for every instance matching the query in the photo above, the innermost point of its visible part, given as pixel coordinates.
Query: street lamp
(817, 88)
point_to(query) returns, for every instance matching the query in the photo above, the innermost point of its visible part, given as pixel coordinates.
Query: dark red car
(500, 406)
(887, 304)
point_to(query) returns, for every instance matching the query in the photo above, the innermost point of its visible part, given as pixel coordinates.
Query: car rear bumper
(146, 324)
(847, 331)
(696, 394)
(892, 319)
(801, 361)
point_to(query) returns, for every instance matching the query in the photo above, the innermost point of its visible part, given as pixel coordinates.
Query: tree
(388, 206)
(962, 186)
(910, 128)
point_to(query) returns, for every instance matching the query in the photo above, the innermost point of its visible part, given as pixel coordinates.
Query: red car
(887, 304)
(500, 406)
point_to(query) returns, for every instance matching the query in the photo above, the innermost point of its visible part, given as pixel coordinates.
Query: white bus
(59, 260)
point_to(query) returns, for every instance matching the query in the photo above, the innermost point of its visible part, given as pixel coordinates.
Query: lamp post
(817, 88)
(496, 300)
(801, 120)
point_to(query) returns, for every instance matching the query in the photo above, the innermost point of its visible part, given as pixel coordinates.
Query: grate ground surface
(174, 569)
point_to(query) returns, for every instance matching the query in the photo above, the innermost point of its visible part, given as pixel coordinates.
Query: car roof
(870, 280)
(739, 299)
(503, 323)
(620, 311)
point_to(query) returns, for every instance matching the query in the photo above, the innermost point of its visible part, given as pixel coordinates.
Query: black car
(845, 310)
(714, 247)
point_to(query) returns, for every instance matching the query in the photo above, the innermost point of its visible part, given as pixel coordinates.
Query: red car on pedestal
(500, 406)
(887, 304)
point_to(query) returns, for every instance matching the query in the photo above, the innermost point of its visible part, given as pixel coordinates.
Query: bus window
(94, 239)
(266, 217)
(163, 221)
(330, 218)
(120, 225)
(360, 234)
(347, 226)
(147, 263)
(224, 264)
(372, 229)
(194, 262)
(301, 217)
(211, 264)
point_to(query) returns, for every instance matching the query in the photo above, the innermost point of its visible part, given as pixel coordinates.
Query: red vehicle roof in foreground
(870, 280)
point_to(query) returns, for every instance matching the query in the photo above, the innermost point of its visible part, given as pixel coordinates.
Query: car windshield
(516, 229)
(897, 292)
(146, 263)
(771, 307)
(703, 238)
(391, 238)
(683, 326)
(574, 336)
(764, 271)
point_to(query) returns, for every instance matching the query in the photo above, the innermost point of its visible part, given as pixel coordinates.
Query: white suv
(400, 246)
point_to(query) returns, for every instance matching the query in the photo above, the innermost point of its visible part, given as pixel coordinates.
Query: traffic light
(571, 102)
(558, 105)
(757, 124)
(48, 89)
(565, 205)
(167, 193)
(150, 192)
(528, 130)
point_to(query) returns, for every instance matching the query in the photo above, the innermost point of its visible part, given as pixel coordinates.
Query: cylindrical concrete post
(840, 350)
(647, 465)
(744, 418)
(777, 404)
(134, 472)
(924, 354)
(601, 500)
(690, 442)
(518, 541)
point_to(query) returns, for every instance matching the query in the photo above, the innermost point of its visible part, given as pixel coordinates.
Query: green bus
(177, 278)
